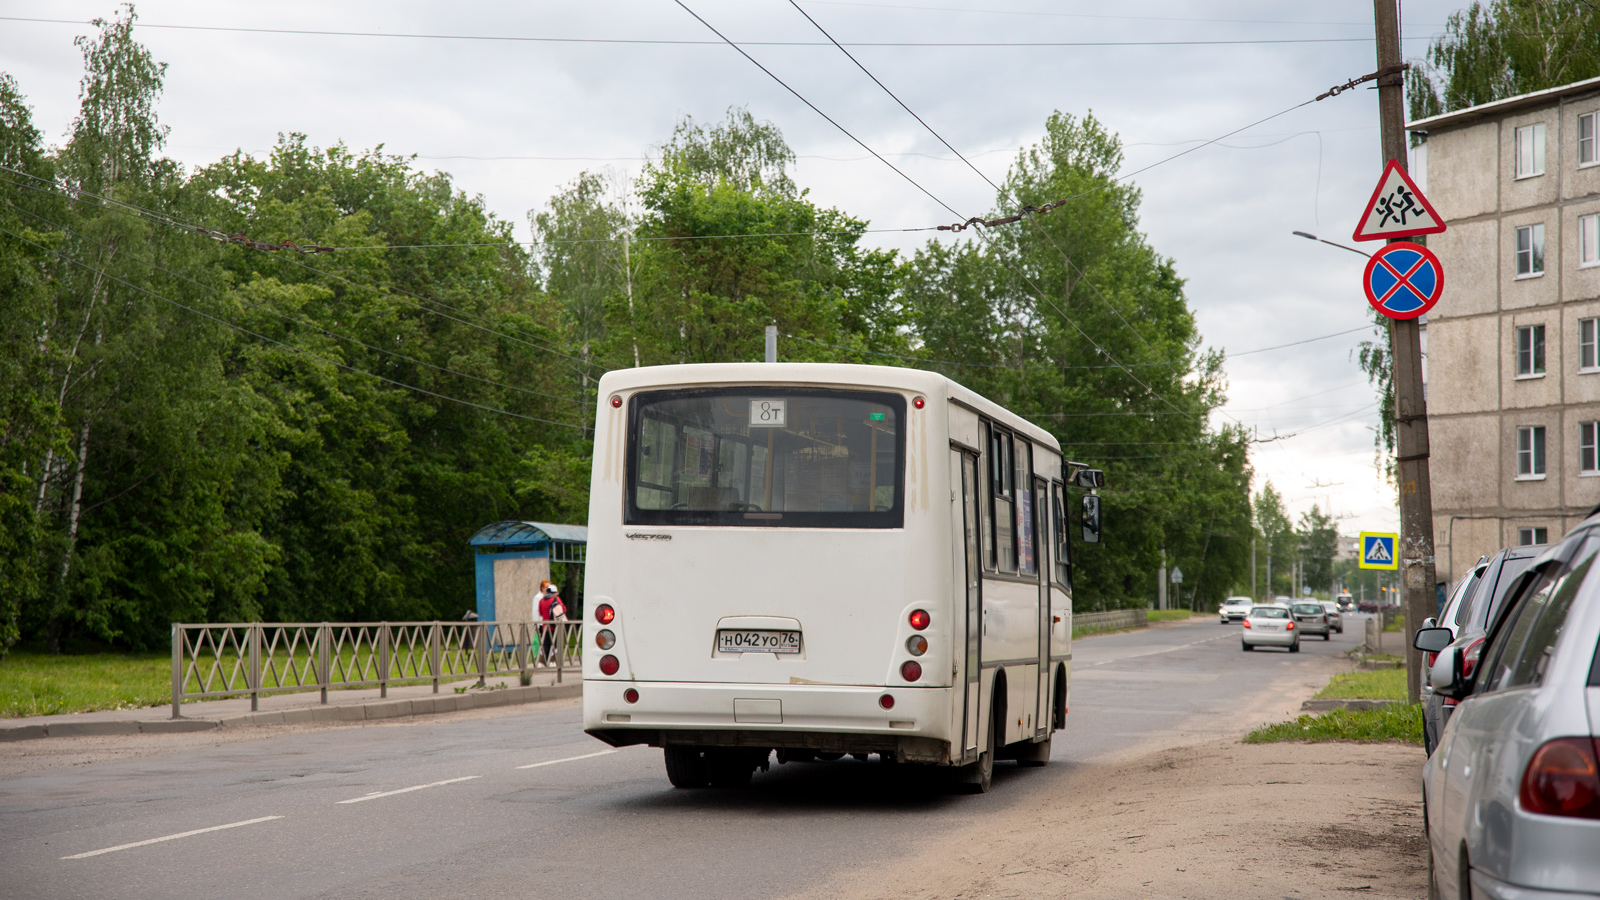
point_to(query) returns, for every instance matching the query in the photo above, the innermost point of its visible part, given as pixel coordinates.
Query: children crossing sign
(1378, 550)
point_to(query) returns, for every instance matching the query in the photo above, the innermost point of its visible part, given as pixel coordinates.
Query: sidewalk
(296, 708)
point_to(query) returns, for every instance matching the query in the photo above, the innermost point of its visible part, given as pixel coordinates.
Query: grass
(1381, 684)
(1170, 615)
(1399, 723)
(42, 684)
(1399, 624)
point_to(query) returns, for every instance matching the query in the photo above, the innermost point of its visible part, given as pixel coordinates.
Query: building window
(1530, 250)
(1587, 151)
(1530, 150)
(1530, 451)
(1588, 353)
(1530, 351)
(1589, 448)
(1589, 240)
(1527, 537)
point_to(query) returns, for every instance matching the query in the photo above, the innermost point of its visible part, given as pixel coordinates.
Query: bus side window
(986, 494)
(1027, 516)
(1002, 462)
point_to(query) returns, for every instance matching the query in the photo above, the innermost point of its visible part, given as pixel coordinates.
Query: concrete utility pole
(1253, 594)
(1410, 408)
(1161, 581)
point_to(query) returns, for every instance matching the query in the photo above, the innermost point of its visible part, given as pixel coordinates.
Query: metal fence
(256, 658)
(1110, 618)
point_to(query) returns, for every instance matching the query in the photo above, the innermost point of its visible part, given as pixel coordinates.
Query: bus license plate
(730, 640)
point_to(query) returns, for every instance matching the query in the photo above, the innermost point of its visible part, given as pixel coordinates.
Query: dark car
(1467, 615)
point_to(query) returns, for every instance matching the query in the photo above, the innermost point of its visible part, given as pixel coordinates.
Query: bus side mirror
(1091, 519)
(1089, 479)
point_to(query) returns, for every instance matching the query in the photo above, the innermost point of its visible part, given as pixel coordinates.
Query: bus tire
(1058, 701)
(686, 767)
(976, 777)
(1032, 754)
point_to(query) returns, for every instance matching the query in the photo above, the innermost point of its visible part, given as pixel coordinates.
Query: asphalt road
(524, 804)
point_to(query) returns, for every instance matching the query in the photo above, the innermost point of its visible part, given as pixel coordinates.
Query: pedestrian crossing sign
(1378, 550)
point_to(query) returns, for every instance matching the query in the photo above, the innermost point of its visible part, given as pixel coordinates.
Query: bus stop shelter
(512, 558)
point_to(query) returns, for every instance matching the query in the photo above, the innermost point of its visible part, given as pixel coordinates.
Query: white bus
(823, 560)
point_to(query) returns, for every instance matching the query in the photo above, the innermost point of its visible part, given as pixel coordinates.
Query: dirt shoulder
(1218, 819)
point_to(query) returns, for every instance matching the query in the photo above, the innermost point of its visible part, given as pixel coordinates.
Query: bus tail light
(919, 403)
(616, 402)
(916, 645)
(609, 665)
(604, 614)
(1563, 779)
(911, 670)
(605, 639)
(630, 695)
(886, 701)
(919, 619)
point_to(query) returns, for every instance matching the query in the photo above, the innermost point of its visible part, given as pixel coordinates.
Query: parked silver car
(1511, 796)
(1270, 626)
(1468, 613)
(1335, 618)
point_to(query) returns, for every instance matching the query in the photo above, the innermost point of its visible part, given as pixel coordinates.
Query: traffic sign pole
(1410, 408)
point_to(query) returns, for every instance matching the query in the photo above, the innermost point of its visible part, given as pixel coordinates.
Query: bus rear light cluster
(609, 665)
(911, 670)
(916, 645)
(630, 695)
(605, 639)
(604, 614)
(919, 619)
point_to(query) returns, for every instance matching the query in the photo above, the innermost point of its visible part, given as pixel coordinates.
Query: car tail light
(1469, 657)
(1247, 623)
(1289, 627)
(911, 670)
(916, 645)
(1563, 779)
(605, 639)
(630, 695)
(1432, 658)
(919, 619)
(886, 701)
(609, 665)
(604, 614)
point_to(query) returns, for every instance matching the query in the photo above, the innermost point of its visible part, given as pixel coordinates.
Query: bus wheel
(686, 767)
(975, 778)
(1031, 755)
(729, 768)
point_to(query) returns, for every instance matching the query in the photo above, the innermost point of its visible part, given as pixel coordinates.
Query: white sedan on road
(1234, 609)
(1270, 626)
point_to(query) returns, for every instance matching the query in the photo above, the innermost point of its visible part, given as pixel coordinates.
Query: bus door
(1041, 517)
(972, 599)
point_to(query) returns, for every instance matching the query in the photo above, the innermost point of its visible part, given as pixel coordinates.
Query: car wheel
(1245, 647)
(1327, 635)
(1294, 647)
(686, 767)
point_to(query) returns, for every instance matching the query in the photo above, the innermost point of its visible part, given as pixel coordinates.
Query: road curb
(1326, 705)
(356, 712)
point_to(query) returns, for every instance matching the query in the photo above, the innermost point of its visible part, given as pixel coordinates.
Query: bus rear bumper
(824, 718)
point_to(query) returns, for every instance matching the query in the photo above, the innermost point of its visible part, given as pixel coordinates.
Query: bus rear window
(766, 456)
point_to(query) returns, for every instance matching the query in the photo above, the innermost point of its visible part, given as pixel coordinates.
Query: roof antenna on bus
(772, 343)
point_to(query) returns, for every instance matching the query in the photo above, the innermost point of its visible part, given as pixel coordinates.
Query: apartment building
(1514, 343)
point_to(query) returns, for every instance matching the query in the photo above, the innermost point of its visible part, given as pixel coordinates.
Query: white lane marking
(568, 759)
(1155, 652)
(376, 794)
(170, 837)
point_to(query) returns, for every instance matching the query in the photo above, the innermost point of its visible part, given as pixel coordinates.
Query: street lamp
(1312, 237)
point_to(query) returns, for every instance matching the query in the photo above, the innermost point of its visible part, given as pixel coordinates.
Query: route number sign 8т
(1403, 280)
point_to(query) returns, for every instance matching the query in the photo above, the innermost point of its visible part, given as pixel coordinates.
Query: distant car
(1335, 620)
(1311, 618)
(1468, 614)
(1511, 797)
(1234, 609)
(1270, 626)
(1367, 606)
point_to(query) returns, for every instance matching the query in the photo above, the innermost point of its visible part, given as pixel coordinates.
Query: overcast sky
(514, 120)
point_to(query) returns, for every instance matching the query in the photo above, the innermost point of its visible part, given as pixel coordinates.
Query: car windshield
(1269, 612)
(766, 456)
(1310, 609)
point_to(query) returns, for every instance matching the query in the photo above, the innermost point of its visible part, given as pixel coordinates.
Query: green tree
(1502, 48)
(1279, 542)
(1319, 540)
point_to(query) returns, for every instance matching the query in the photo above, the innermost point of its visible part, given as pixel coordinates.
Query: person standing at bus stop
(551, 610)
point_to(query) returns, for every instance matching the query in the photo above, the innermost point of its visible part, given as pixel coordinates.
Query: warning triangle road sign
(1397, 209)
